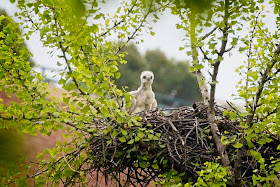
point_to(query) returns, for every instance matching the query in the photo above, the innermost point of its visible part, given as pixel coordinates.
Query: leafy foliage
(4, 23)
(261, 74)
(11, 142)
(213, 175)
(90, 59)
(261, 94)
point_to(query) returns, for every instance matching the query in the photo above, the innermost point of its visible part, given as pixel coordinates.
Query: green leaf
(232, 116)
(39, 155)
(264, 140)
(105, 112)
(66, 100)
(234, 41)
(117, 75)
(143, 164)
(131, 141)
(99, 16)
(65, 136)
(271, 177)
(114, 133)
(140, 135)
(255, 179)
(124, 132)
(137, 139)
(53, 152)
(2, 35)
(155, 166)
(150, 136)
(192, 68)
(85, 109)
(122, 139)
(237, 145)
(256, 154)
(109, 142)
(225, 140)
(109, 128)
(244, 125)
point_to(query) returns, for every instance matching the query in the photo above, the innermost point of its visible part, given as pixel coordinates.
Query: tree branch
(204, 55)
(208, 34)
(203, 88)
(211, 109)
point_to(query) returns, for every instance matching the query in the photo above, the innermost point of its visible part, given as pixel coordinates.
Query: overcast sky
(168, 39)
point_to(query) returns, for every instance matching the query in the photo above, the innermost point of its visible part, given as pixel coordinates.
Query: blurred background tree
(174, 84)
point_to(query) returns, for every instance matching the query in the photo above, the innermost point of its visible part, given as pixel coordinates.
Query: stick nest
(185, 144)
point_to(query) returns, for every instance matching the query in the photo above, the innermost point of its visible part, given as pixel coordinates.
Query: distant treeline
(172, 78)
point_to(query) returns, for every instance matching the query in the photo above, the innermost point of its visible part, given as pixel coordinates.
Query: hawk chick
(144, 97)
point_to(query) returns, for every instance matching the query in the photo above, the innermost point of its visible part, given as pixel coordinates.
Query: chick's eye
(144, 77)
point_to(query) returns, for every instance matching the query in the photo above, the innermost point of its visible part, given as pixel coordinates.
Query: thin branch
(269, 114)
(176, 131)
(229, 49)
(208, 34)
(70, 69)
(118, 23)
(203, 52)
(249, 56)
(263, 81)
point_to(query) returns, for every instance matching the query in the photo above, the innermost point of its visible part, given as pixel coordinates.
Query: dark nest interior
(185, 144)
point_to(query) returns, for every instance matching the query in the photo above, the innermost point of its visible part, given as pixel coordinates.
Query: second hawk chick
(144, 97)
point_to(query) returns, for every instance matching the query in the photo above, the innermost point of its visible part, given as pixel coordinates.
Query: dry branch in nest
(185, 144)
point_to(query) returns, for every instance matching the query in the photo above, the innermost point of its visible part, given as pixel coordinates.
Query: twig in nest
(200, 137)
(176, 131)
